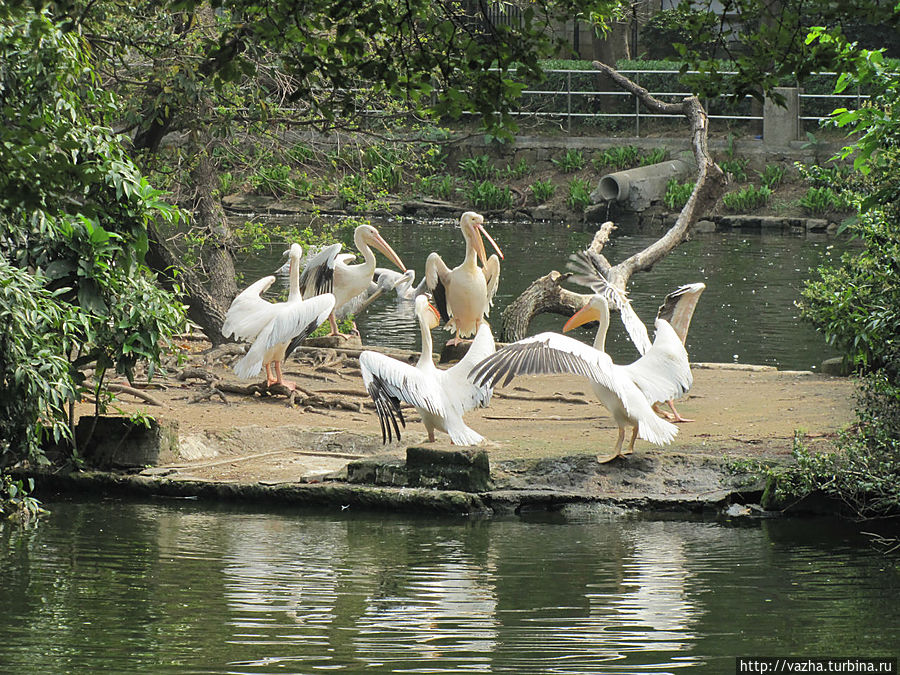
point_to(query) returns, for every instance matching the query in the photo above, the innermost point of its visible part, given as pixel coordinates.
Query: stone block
(466, 470)
(118, 442)
(377, 471)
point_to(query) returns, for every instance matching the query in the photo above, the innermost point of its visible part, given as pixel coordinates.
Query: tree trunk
(543, 295)
(213, 224)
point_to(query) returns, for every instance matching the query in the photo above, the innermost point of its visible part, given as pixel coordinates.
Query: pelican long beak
(385, 248)
(584, 315)
(479, 244)
(434, 310)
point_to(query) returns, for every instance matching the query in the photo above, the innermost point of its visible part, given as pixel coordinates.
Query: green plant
(570, 162)
(16, 502)
(655, 156)
(518, 171)
(772, 176)
(579, 194)
(438, 186)
(823, 200)
(736, 167)
(542, 190)
(677, 194)
(477, 168)
(272, 179)
(300, 153)
(747, 199)
(620, 157)
(385, 176)
(486, 195)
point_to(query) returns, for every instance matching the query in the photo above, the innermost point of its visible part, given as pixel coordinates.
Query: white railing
(572, 94)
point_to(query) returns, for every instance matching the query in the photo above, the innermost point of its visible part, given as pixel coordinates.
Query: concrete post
(781, 124)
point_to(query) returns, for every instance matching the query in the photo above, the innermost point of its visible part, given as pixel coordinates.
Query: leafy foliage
(16, 502)
(747, 199)
(570, 162)
(579, 194)
(543, 190)
(677, 194)
(74, 211)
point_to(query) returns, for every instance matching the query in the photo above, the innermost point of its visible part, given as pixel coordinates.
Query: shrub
(579, 194)
(747, 199)
(677, 194)
(518, 171)
(618, 158)
(736, 167)
(655, 156)
(570, 162)
(772, 176)
(822, 200)
(486, 195)
(437, 186)
(477, 168)
(542, 190)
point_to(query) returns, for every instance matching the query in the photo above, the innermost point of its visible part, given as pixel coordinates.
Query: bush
(477, 168)
(618, 158)
(570, 162)
(747, 199)
(821, 200)
(677, 194)
(486, 195)
(542, 190)
(579, 194)
(772, 176)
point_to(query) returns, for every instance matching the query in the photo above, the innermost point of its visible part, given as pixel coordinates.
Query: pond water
(182, 587)
(747, 313)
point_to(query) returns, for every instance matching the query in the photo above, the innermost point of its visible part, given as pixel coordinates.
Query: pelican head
(427, 313)
(596, 309)
(472, 226)
(371, 236)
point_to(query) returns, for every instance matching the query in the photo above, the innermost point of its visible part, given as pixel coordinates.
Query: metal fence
(573, 95)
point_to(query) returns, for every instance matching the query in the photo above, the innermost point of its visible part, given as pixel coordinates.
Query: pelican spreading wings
(330, 270)
(440, 396)
(677, 309)
(464, 294)
(626, 391)
(274, 328)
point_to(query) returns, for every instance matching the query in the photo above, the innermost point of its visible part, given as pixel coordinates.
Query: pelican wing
(437, 278)
(664, 372)
(491, 273)
(545, 354)
(390, 382)
(249, 313)
(467, 394)
(678, 307)
(588, 268)
(287, 320)
(318, 272)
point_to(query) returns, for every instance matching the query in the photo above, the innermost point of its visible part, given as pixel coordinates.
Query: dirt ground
(742, 412)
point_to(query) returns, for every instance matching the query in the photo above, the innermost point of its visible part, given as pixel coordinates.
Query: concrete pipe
(637, 188)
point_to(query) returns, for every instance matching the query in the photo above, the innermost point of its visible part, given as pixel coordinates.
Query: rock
(377, 471)
(704, 226)
(835, 366)
(737, 511)
(335, 342)
(118, 442)
(465, 470)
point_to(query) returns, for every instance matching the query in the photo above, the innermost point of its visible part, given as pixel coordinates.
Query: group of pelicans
(461, 298)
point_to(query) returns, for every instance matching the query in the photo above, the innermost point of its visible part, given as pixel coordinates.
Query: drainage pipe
(637, 188)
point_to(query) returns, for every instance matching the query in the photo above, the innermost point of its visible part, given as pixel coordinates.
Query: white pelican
(440, 396)
(626, 391)
(464, 294)
(330, 271)
(677, 308)
(274, 328)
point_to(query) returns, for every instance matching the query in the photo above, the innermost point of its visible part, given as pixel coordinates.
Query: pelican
(274, 328)
(440, 396)
(464, 294)
(401, 284)
(331, 271)
(677, 308)
(626, 391)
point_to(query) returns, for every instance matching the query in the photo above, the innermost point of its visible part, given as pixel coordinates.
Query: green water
(181, 587)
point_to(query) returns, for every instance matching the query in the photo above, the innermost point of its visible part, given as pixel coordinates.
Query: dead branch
(137, 393)
(208, 394)
(709, 183)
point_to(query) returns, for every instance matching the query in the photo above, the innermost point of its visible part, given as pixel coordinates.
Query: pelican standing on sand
(626, 391)
(274, 328)
(330, 272)
(440, 396)
(464, 294)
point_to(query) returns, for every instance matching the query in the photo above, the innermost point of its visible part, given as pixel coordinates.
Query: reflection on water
(747, 313)
(170, 587)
